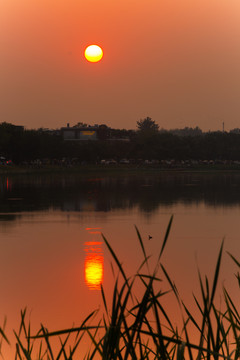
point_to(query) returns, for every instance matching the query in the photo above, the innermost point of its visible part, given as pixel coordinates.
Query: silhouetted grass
(134, 327)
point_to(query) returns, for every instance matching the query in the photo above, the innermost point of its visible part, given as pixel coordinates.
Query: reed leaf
(161, 308)
(233, 326)
(141, 244)
(190, 354)
(215, 281)
(104, 299)
(173, 286)
(165, 237)
(190, 345)
(191, 317)
(62, 332)
(161, 347)
(180, 351)
(115, 258)
(234, 259)
(4, 336)
(63, 344)
(235, 313)
(20, 346)
(45, 334)
(145, 261)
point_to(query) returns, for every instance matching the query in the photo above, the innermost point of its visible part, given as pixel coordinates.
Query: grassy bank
(131, 327)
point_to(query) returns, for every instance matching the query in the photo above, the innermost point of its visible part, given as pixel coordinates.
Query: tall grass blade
(65, 331)
(97, 345)
(234, 259)
(204, 315)
(115, 258)
(190, 345)
(142, 245)
(22, 324)
(96, 349)
(224, 335)
(162, 347)
(104, 299)
(145, 261)
(62, 332)
(233, 327)
(18, 354)
(165, 238)
(190, 354)
(173, 286)
(180, 351)
(4, 336)
(62, 349)
(25, 352)
(236, 315)
(45, 333)
(216, 274)
(191, 317)
(164, 312)
(198, 305)
(238, 278)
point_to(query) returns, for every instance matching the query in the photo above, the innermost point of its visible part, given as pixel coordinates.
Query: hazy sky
(177, 61)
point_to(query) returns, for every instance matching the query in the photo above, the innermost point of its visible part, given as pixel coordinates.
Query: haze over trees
(147, 142)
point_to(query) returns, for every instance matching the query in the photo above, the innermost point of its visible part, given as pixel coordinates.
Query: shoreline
(86, 170)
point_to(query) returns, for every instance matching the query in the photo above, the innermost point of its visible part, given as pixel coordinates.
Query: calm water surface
(52, 256)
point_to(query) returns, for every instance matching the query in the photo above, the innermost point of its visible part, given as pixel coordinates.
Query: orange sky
(177, 61)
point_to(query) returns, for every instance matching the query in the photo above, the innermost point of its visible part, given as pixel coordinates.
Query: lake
(53, 259)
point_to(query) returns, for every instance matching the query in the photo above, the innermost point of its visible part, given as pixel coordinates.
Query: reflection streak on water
(94, 262)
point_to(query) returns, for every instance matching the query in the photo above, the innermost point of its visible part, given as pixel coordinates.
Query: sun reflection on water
(93, 265)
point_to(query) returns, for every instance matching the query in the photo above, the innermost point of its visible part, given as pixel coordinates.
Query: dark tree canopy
(80, 124)
(21, 145)
(147, 124)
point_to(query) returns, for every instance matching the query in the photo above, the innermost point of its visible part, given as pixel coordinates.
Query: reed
(132, 327)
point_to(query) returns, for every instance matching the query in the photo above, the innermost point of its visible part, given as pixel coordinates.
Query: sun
(93, 53)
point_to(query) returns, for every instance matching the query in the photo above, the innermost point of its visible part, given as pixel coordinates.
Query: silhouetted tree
(187, 131)
(147, 124)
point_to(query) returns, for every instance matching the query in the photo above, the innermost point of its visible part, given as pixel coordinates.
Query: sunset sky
(176, 61)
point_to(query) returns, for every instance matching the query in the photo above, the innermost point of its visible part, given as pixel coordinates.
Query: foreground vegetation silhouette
(141, 327)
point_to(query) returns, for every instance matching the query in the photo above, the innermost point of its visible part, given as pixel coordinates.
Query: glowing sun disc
(93, 53)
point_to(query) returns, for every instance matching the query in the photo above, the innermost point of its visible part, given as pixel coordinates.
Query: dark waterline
(74, 193)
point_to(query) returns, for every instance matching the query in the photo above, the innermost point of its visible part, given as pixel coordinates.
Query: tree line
(147, 142)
